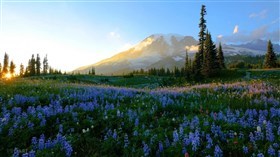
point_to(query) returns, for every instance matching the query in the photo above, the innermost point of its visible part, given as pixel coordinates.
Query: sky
(78, 33)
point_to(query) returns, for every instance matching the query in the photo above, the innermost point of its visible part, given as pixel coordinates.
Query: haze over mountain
(164, 50)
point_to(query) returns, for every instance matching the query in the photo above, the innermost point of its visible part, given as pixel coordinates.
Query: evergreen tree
(168, 73)
(187, 60)
(187, 65)
(209, 67)
(220, 57)
(45, 65)
(197, 65)
(32, 66)
(6, 64)
(12, 68)
(21, 70)
(93, 71)
(270, 57)
(38, 65)
(28, 68)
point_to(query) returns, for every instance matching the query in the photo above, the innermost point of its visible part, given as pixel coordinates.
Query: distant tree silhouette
(270, 57)
(220, 57)
(45, 65)
(38, 65)
(12, 68)
(21, 70)
(32, 66)
(187, 67)
(6, 64)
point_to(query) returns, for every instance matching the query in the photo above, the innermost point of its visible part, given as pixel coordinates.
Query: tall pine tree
(6, 64)
(12, 68)
(38, 65)
(209, 67)
(45, 65)
(221, 60)
(270, 57)
(187, 65)
(33, 65)
(198, 61)
(21, 70)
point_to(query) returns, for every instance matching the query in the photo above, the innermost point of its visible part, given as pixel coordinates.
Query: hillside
(163, 50)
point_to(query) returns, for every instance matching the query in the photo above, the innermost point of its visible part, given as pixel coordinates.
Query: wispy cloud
(235, 30)
(220, 36)
(114, 34)
(275, 21)
(259, 33)
(193, 48)
(261, 14)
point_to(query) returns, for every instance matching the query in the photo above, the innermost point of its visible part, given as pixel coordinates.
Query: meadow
(79, 115)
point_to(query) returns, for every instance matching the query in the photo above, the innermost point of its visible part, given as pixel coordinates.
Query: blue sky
(77, 33)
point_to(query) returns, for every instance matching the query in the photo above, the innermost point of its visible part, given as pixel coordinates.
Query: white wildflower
(259, 129)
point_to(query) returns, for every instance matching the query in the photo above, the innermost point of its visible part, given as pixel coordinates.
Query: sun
(8, 76)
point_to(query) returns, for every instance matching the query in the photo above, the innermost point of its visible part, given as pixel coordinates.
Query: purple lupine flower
(160, 146)
(184, 151)
(146, 149)
(115, 135)
(278, 131)
(167, 143)
(218, 152)
(181, 132)
(260, 155)
(32, 153)
(245, 150)
(269, 132)
(48, 144)
(209, 141)
(186, 140)
(126, 141)
(43, 122)
(68, 148)
(135, 133)
(251, 136)
(271, 151)
(60, 128)
(16, 153)
(25, 155)
(41, 144)
(34, 142)
(136, 123)
(30, 125)
(275, 145)
(175, 136)
(195, 140)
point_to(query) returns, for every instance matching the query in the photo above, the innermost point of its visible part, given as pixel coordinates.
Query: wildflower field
(51, 118)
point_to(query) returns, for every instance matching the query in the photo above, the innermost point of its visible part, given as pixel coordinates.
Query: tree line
(34, 67)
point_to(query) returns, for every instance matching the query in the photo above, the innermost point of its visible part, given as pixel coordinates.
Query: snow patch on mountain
(177, 58)
(162, 51)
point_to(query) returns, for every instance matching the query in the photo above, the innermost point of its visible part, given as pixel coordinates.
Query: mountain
(152, 50)
(258, 44)
(163, 50)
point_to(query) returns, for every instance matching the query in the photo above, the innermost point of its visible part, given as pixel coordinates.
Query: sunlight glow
(8, 76)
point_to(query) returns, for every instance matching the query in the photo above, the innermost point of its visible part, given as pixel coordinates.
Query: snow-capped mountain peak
(163, 51)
